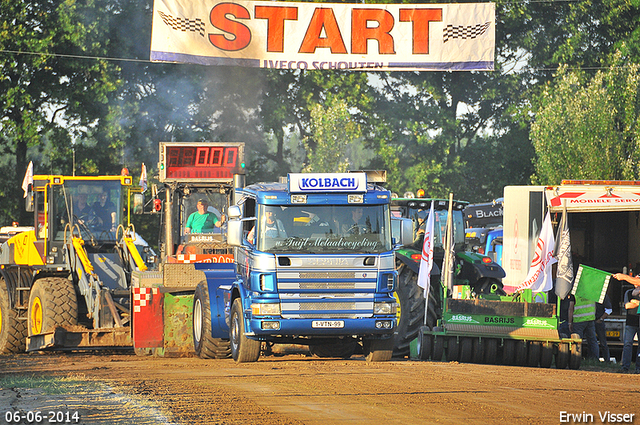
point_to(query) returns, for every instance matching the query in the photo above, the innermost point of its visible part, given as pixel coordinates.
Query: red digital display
(202, 161)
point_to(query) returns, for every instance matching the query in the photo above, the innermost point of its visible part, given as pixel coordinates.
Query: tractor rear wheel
(52, 303)
(13, 332)
(206, 346)
(411, 304)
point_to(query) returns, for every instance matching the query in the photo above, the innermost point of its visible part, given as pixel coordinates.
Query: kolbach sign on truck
(288, 35)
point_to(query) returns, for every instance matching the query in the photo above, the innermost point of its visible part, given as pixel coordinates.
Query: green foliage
(588, 128)
(334, 133)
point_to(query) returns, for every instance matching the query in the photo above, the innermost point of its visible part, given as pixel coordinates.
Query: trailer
(604, 228)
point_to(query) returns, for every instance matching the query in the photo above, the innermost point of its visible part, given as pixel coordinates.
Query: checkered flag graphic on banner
(183, 24)
(464, 32)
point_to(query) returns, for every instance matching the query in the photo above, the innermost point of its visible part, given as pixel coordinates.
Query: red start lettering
(323, 29)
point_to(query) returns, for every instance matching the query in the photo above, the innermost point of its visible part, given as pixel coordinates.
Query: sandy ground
(110, 388)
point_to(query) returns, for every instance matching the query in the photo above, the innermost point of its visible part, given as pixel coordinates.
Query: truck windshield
(93, 206)
(420, 216)
(323, 229)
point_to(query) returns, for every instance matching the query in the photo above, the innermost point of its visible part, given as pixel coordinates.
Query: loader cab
(89, 207)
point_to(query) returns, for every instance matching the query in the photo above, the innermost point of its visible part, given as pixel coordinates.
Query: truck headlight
(265, 309)
(384, 308)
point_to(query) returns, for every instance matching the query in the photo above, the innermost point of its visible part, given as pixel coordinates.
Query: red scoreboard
(215, 161)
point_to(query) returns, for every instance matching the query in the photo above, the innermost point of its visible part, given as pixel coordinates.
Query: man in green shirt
(202, 220)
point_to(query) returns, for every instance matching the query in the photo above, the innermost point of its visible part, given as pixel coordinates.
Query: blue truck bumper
(263, 327)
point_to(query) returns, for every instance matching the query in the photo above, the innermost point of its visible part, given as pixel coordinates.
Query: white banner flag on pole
(539, 278)
(426, 260)
(28, 179)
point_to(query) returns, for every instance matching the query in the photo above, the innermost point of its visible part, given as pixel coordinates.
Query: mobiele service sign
(316, 36)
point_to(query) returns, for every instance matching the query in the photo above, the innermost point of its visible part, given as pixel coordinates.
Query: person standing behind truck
(582, 316)
(631, 327)
(602, 312)
(202, 220)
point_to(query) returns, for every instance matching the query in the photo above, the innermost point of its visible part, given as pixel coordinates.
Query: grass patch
(48, 384)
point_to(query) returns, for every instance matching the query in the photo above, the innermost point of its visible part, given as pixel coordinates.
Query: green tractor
(479, 272)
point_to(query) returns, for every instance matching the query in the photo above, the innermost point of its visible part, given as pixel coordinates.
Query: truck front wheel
(13, 332)
(243, 349)
(52, 303)
(378, 350)
(205, 345)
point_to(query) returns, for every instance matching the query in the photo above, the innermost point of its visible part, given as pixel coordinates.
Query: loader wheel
(411, 303)
(342, 349)
(206, 346)
(243, 349)
(377, 350)
(13, 332)
(52, 303)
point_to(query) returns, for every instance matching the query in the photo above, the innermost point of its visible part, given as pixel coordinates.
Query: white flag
(28, 179)
(143, 178)
(426, 260)
(564, 275)
(539, 278)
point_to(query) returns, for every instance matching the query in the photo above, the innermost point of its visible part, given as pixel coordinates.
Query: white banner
(539, 278)
(426, 260)
(289, 35)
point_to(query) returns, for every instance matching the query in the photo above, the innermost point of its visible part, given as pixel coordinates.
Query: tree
(49, 96)
(334, 134)
(589, 128)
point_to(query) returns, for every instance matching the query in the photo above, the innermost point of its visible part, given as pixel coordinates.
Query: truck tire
(52, 303)
(378, 350)
(206, 346)
(13, 332)
(411, 303)
(343, 350)
(243, 349)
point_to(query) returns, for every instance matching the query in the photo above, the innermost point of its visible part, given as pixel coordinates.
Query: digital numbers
(37, 417)
(202, 161)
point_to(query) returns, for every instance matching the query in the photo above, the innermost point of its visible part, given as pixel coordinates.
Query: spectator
(582, 316)
(602, 312)
(632, 324)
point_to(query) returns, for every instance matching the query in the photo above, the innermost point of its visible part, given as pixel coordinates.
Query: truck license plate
(613, 334)
(327, 324)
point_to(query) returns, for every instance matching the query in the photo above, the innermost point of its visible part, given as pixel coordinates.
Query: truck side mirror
(234, 230)
(138, 203)
(234, 212)
(402, 230)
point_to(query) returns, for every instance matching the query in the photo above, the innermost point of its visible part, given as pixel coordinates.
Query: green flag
(591, 284)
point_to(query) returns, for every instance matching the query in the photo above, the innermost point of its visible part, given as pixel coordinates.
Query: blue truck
(314, 265)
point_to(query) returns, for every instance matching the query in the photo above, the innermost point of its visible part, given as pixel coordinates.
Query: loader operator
(202, 220)
(105, 212)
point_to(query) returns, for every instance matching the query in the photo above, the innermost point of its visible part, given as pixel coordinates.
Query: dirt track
(296, 389)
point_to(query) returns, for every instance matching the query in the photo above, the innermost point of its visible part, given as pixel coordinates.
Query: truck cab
(315, 266)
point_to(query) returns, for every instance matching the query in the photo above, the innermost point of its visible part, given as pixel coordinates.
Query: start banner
(291, 35)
